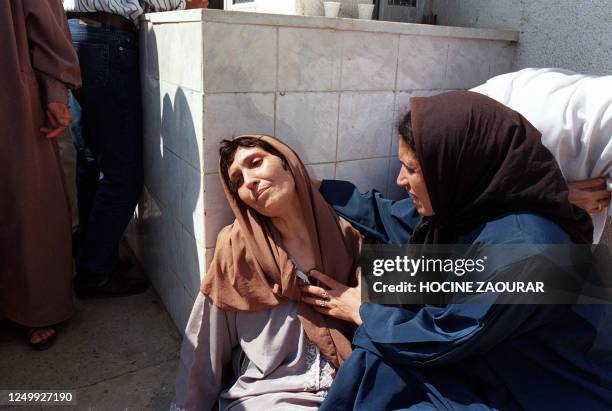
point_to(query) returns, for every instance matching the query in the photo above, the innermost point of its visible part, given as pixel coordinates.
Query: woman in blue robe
(477, 174)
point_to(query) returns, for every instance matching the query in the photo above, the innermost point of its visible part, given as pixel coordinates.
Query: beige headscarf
(251, 272)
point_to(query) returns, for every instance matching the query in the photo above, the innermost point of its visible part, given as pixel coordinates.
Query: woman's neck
(291, 225)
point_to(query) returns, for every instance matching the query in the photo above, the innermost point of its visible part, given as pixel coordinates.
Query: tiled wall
(332, 95)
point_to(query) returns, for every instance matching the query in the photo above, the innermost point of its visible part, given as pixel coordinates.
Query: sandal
(46, 343)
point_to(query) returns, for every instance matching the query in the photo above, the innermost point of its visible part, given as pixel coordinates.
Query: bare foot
(41, 335)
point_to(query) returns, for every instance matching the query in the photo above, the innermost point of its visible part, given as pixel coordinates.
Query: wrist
(357, 316)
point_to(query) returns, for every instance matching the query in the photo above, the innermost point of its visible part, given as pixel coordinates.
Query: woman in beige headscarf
(284, 353)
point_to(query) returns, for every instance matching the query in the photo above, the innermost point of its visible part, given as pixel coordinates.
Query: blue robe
(464, 356)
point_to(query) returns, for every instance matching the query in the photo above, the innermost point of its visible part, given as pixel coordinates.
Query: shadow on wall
(165, 228)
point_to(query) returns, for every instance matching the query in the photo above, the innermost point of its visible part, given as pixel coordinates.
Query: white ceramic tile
(181, 122)
(393, 190)
(365, 174)
(232, 114)
(188, 270)
(324, 171)
(239, 58)
(191, 200)
(217, 212)
(168, 45)
(153, 245)
(171, 176)
(366, 120)
(502, 58)
(308, 123)
(308, 59)
(153, 165)
(151, 109)
(369, 61)
(422, 62)
(152, 141)
(171, 242)
(136, 231)
(173, 296)
(468, 63)
(152, 63)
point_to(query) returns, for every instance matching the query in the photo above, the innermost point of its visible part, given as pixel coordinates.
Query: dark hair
(228, 148)
(405, 130)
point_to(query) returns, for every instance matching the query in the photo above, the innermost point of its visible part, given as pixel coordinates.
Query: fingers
(601, 206)
(601, 195)
(328, 281)
(51, 133)
(594, 183)
(58, 114)
(51, 120)
(316, 302)
(58, 120)
(316, 291)
(597, 201)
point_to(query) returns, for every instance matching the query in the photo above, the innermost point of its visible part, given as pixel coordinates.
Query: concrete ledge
(343, 24)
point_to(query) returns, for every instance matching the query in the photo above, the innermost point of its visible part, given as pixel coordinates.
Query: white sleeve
(210, 337)
(165, 5)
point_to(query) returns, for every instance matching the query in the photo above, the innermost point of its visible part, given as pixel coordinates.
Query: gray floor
(118, 354)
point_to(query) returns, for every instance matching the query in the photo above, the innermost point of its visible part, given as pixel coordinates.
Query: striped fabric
(131, 9)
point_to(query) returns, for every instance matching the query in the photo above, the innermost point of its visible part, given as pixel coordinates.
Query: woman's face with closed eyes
(262, 182)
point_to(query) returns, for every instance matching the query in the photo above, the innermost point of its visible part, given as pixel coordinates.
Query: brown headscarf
(481, 159)
(250, 271)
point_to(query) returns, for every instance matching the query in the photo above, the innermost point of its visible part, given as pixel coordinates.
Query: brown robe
(38, 64)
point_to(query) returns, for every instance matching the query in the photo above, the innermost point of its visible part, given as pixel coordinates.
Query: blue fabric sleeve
(377, 218)
(436, 335)
(439, 335)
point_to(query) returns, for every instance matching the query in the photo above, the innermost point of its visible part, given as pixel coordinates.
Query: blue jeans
(108, 142)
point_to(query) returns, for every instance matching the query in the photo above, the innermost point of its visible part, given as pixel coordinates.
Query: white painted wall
(575, 35)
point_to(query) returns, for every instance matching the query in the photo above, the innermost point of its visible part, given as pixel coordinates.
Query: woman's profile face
(262, 182)
(411, 178)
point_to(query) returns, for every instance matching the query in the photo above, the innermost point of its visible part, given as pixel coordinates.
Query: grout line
(397, 62)
(340, 91)
(446, 82)
(338, 128)
(276, 91)
(362, 159)
(203, 59)
(277, 57)
(394, 121)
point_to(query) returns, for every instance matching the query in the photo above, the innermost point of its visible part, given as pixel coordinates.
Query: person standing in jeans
(108, 139)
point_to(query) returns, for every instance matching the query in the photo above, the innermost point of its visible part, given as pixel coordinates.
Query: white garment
(130, 9)
(574, 114)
